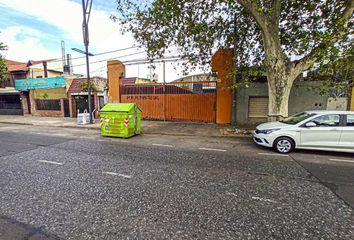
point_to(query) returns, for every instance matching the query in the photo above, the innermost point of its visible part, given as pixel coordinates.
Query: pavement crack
(328, 185)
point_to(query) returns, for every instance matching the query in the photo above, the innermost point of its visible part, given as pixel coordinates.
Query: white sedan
(316, 130)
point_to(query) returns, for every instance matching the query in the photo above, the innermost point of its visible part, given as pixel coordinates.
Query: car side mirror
(310, 124)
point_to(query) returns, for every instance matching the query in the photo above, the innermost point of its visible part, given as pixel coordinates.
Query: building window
(39, 77)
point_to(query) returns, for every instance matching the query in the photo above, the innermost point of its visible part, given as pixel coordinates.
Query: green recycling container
(120, 120)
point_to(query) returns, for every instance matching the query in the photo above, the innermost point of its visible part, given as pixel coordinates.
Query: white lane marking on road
(341, 160)
(117, 174)
(264, 199)
(274, 154)
(232, 194)
(162, 145)
(50, 162)
(213, 149)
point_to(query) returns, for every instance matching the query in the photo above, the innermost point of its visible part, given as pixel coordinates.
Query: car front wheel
(284, 145)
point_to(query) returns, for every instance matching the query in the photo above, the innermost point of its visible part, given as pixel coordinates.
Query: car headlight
(268, 131)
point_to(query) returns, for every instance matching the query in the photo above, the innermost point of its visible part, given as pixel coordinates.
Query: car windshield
(295, 119)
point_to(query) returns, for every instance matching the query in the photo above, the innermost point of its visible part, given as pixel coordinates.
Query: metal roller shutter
(258, 107)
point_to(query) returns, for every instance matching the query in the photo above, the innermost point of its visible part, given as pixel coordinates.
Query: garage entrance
(10, 104)
(179, 101)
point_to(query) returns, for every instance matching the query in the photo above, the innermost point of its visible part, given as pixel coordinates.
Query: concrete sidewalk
(148, 126)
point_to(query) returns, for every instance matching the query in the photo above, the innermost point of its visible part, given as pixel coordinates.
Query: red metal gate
(181, 101)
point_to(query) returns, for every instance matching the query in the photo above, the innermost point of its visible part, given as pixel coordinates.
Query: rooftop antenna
(63, 54)
(69, 64)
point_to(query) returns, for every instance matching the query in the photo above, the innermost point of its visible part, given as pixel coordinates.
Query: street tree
(337, 75)
(284, 38)
(3, 67)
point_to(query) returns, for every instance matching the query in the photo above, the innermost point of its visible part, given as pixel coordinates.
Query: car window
(295, 119)
(350, 120)
(330, 120)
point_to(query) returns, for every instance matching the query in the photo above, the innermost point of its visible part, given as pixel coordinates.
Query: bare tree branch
(255, 10)
(276, 10)
(348, 11)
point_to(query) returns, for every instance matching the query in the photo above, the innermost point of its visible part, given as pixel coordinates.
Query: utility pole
(45, 69)
(164, 90)
(86, 9)
(234, 78)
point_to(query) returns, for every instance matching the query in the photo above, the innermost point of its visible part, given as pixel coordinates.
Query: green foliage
(3, 67)
(198, 27)
(2, 46)
(337, 74)
(45, 95)
(84, 87)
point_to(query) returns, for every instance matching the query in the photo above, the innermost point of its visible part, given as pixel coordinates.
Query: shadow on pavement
(11, 229)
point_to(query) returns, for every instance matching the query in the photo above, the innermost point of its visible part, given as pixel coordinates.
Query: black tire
(284, 145)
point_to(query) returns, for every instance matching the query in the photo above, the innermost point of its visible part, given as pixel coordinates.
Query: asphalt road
(58, 183)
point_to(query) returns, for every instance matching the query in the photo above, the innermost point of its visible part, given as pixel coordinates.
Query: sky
(34, 30)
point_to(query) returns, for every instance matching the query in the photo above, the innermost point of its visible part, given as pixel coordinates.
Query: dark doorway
(82, 103)
(27, 96)
(66, 108)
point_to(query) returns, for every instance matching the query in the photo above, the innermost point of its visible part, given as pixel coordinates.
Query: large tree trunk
(279, 92)
(279, 75)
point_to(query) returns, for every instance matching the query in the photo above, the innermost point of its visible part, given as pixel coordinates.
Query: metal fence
(49, 105)
(170, 88)
(10, 105)
(184, 101)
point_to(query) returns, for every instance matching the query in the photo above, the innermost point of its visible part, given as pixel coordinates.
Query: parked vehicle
(317, 130)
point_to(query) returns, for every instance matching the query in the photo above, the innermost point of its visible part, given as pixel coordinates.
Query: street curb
(193, 135)
(143, 133)
(45, 125)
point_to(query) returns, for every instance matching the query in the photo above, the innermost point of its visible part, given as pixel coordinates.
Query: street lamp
(86, 9)
(83, 52)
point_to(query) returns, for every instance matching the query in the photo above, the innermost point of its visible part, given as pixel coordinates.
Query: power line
(104, 60)
(97, 54)
(145, 61)
(128, 62)
(157, 60)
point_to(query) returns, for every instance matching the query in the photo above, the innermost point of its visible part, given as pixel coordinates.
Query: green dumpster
(120, 120)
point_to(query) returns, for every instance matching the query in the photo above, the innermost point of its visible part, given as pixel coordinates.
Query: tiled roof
(32, 62)
(14, 66)
(75, 86)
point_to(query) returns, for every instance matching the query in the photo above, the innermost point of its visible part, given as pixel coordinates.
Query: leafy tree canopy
(284, 37)
(199, 27)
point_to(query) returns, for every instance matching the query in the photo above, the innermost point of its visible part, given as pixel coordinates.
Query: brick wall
(45, 113)
(116, 70)
(24, 103)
